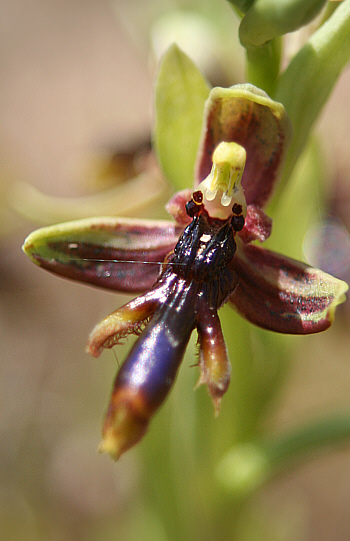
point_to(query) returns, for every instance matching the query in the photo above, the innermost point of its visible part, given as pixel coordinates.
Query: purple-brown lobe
(132, 271)
(214, 363)
(147, 374)
(128, 319)
(114, 253)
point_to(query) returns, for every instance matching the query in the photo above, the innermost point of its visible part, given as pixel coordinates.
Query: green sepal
(180, 95)
(280, 294)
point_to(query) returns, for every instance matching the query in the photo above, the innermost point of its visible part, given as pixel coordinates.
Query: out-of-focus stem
(246, 467)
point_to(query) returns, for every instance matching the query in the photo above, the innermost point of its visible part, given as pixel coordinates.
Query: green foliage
(310, 77)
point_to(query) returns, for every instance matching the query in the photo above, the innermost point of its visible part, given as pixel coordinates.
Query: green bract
(181, 91)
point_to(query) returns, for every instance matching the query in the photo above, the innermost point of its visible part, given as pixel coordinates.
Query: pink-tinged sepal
(116, 253)
(146, 376)
(176, 206)
(257, 225)
(246, 115)
(284, 295)
(214, 364)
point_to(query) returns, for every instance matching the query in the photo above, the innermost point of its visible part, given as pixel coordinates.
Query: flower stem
(263, 64)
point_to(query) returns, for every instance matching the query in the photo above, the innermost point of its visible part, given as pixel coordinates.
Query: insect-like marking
(195, 281)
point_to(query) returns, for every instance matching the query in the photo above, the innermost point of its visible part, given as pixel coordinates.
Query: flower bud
(268, 19)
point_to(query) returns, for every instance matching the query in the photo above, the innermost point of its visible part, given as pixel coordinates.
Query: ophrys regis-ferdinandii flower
(208, 259)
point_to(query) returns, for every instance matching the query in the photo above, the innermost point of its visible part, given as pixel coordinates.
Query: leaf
(310, 77)
(180, 94)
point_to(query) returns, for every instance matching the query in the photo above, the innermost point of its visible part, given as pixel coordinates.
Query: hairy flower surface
(208, 259)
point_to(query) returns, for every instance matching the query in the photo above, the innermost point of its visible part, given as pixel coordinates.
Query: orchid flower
(209, 257)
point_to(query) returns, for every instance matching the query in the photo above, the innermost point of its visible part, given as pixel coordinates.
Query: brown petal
(283, 295)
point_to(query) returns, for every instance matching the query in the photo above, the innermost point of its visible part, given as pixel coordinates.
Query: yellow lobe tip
(223, 185)
(108, 445)
(230, 153)
(125, 423)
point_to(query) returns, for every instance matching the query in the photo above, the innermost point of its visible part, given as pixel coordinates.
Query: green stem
(263, 64)
(241, 6)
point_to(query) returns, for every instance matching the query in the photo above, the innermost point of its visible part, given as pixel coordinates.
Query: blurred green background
(76, 79)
